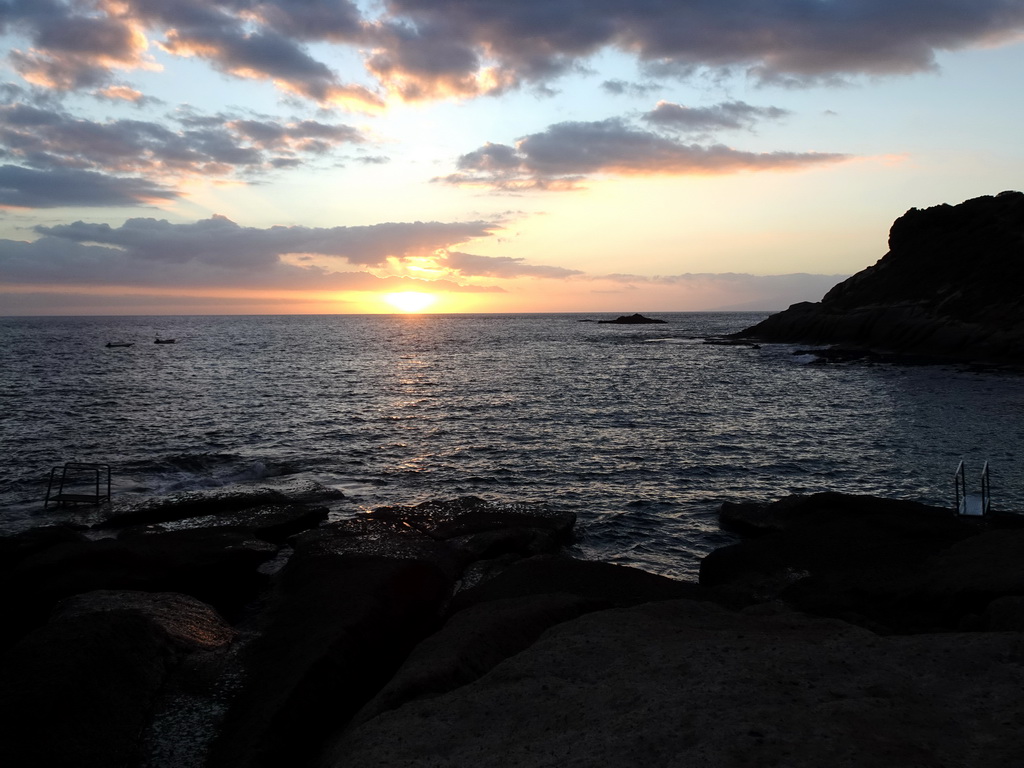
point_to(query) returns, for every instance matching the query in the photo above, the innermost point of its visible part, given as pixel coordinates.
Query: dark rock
(888, 565)
(507, 613)
(1006, 614)
(451, 534)
(604, 583)
(911, 519)
(676, 682)
(194, 504)
(470, 644)
(77, 692)
(468, 515)
(273, 523)
(190, 624)
(17, 547)
(635, 319)
(948, 289)
(218, 566)
(353, 600)
(338, 627)
(966, 578)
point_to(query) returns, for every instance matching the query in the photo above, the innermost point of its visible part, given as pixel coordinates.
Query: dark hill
(950, 287)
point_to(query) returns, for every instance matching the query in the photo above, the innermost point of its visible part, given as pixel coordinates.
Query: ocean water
(643, 431)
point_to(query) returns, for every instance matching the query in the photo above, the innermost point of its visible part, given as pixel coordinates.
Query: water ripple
(642, 440)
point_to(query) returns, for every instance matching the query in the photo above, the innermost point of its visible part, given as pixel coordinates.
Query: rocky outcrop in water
(951, 287)
(635, 319)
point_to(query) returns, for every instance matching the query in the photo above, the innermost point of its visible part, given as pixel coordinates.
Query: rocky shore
(951, 288)
(840, 630)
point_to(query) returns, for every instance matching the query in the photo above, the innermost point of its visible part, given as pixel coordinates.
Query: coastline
(467, 630)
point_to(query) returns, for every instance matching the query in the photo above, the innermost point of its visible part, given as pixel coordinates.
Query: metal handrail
(973, 504)
(960, 486)
(986, 493)
(63, 497)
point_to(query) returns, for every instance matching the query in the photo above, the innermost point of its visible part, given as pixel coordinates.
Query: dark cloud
(220, 241)
(334, 20)
(55, 261)
(624, 88)
(47, 138)
(795, 40)
(218, 253)
(270, 56)
(470, 265)
(263, 41)
(52, 188)
(564, 154)
(430, 62)
(75, 45)
(437, 48)
(729, 115)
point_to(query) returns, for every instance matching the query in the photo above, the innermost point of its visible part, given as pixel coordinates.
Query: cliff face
(951, 286)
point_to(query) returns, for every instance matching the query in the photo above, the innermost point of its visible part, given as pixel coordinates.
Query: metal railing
(72, 488)
(972, 503)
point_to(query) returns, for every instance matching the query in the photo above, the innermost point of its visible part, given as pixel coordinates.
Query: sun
(410, 301)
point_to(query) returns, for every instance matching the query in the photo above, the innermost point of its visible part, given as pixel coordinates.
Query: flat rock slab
(680, 683)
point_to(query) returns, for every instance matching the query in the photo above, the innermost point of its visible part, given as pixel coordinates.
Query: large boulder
(951, 287)
(337, 628)
(894, 566)
(683, 683)
(355, 598)
(603, 584)
(470, 644)
(505, 614)
(218, 565)
(78, 691)
(190, 624)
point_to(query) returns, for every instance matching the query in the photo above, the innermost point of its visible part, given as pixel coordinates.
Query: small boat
(164, 341)
(120, 343)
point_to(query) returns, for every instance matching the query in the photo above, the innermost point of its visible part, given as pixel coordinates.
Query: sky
(342, 156)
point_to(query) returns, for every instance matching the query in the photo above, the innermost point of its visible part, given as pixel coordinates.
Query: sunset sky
(319, 156)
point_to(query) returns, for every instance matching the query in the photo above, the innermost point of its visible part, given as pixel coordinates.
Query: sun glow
(410, 301)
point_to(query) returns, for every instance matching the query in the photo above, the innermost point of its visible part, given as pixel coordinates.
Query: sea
(642, 430)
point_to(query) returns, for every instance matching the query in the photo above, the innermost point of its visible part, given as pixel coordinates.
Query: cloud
(77, 44)
(137, 160)
(31, 188)
(732, 291)
(732, 115)
(270, 56)
(563, 155)
(221, 242)
(74, 45)
(264, 41)
(799, 39)
(618, 87)
(117, 93)
(217, 253)
(425, 49)
(431, 62)
(470, 265)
